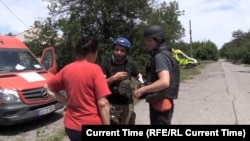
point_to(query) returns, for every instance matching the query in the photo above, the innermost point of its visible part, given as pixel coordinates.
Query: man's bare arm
(57, 96)
(104, 109)
(116, 77)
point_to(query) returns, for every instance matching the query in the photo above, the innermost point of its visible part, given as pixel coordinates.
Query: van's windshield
(18, 60)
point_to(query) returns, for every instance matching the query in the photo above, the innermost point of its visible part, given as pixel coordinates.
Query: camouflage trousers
(122, 114)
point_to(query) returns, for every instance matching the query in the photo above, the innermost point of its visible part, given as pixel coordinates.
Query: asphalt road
(219, 95)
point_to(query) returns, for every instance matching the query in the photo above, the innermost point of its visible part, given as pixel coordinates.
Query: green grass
(58, 136)
(190, 73)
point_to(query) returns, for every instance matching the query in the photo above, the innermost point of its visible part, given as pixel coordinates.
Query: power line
(13, 13)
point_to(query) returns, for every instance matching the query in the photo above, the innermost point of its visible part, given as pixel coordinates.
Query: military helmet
(123, 42)
(154, 31)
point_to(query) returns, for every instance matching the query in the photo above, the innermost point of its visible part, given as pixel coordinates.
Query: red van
(22, 77)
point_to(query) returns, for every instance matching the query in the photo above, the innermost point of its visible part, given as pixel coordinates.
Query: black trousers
(161, 118)
(73, 134)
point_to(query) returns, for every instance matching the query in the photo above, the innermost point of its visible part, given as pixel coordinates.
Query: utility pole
(190, 32)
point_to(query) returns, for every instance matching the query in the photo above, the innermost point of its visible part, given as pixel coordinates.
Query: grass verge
(58, 136)
(190, 73)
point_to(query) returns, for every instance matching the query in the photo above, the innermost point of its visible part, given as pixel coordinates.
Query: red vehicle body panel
(33, 101)
(11, 42)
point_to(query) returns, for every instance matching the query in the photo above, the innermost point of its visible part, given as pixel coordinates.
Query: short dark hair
(86, 45)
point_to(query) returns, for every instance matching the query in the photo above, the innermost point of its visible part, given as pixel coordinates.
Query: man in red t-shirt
(86, 90)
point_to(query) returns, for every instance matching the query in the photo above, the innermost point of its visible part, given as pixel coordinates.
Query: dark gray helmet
(154, 31)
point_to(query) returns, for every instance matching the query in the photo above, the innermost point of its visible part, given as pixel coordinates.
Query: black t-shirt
(109, 69)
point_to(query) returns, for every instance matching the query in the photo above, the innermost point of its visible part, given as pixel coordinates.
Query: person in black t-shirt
(118, 71)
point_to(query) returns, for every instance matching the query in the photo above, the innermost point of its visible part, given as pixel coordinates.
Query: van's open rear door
(48, 59)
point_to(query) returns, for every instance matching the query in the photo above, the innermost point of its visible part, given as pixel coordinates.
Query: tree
(167, 16)
(10, 34)
(42, 36)
(107, 20)
(237, 50)
(237, 37)
(104, 20)
(207, 51)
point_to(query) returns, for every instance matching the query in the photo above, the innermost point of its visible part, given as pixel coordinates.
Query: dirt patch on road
(37, 130)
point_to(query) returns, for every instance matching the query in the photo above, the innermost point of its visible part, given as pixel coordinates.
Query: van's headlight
(9, 96)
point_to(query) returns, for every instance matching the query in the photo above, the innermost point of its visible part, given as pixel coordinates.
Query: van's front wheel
(189, 66)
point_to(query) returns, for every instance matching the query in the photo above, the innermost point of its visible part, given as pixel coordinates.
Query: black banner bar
(153, 132)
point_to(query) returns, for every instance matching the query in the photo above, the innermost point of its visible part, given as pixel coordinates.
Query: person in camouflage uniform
(118, 71)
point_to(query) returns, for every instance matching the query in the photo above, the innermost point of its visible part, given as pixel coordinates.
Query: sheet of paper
(20, 67)
(31, 76)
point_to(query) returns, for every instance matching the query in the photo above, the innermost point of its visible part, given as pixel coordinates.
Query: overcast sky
(213, 20)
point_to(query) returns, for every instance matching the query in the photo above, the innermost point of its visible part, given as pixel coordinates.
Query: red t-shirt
(83, 83)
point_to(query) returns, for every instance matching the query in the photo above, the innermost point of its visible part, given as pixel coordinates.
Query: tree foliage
(238, 49)
(107, 20)
(207, 51)
(104, 20)
(43, 35)
(167, 16)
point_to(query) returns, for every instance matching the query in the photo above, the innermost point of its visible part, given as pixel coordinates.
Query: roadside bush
(208, 51)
